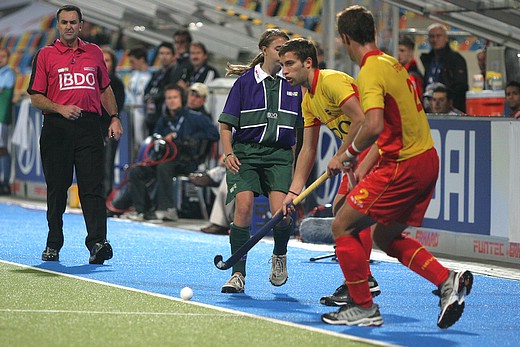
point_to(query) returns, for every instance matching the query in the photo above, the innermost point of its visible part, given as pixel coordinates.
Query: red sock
(412, 254)
(352, 259)
(365, 237)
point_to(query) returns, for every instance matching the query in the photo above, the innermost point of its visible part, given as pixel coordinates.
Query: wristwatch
(116, 115)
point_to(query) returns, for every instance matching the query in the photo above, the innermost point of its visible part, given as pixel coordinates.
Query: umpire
(69, 83)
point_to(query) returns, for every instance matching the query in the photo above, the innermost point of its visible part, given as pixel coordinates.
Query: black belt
(83, 114)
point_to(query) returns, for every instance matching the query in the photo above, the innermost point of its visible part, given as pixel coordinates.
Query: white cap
(200, 88)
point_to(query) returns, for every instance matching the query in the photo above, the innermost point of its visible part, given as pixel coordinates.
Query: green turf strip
(39, 308)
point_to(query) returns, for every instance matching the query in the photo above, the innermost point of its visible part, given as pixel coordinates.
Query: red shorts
(398, 191)
(343, 186)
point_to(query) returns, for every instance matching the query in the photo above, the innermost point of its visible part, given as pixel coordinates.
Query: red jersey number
(418, 102)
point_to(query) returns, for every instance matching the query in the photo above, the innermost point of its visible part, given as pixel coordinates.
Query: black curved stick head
(219, 263)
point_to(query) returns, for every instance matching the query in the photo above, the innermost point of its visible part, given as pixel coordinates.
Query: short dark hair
(513, 84)
(167, 45)
(138, 53)
(407, 42)
(69, 8)
(174, 86)
(442, 89)
(358, 23)
(183, 32)
(200, 45)
(302, 48)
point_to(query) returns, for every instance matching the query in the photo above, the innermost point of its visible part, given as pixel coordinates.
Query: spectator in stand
(181, 41)
(197, 95)
(221, 213)
(94, 34)
(406, 58)
(154, 92)
(513, 99)
(7, 81)
(446, 66)
(135, 91)
(111, 143)
(199, 70)
(442, 102)
(187, 129)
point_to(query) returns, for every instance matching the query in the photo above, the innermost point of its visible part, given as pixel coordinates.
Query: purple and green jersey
(263, 109)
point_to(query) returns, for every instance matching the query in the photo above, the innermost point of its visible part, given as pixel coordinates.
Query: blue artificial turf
(163, 260)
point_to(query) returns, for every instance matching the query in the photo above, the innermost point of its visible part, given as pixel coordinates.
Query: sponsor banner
(28, 166)
(467, 245)
(462, 198)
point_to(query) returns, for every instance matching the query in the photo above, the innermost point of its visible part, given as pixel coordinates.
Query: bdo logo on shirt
(76, 80)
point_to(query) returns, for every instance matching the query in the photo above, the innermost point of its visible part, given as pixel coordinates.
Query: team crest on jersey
(291, 93)
(63, 69)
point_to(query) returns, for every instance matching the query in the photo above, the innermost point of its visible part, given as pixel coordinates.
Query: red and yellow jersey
(381, 82)
(322, 103)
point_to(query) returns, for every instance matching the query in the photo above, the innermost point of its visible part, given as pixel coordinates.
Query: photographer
(189, 131)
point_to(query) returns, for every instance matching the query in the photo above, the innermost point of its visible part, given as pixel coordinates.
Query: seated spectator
(442, 102)
(188, 130)
(513, 99)
(200, 70)
(197, 95)
(210, 178)
(221, 214)
(427, 96)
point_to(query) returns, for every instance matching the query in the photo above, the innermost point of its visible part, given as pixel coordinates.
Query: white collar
(261, 75)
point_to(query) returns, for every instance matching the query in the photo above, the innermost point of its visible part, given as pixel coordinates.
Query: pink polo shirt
(70, 77)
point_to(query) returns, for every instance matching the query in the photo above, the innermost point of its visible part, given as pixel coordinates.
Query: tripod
(325, 256)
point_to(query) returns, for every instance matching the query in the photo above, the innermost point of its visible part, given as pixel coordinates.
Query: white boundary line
(115, 313)
(233, 313)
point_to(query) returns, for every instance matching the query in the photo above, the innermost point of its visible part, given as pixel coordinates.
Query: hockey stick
(235, 257)
(352, 181)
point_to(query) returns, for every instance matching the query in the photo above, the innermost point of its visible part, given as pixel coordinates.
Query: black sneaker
(100, 252)
(50, 254)
(342, 296)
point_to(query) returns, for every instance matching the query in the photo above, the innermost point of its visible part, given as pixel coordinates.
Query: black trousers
(66, 145)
